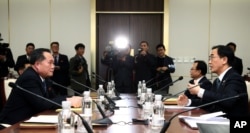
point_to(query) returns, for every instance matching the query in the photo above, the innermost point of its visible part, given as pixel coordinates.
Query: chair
(7, 89)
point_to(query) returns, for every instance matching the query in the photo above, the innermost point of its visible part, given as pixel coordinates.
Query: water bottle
(66, 119)
(139, 86)
(158, 113)
(149, 95)
(100, 91)
(87, 103)
(109, 89)
(86, 113)
(113, 88)
(143, 94)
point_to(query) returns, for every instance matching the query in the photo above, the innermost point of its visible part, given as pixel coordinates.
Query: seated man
(198, 74)
(228, 84)
(35, 79)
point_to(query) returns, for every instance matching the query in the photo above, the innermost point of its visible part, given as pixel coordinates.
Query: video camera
(3, 46)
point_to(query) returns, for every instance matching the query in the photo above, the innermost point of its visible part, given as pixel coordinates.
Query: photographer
(107, 59)
(122, 65)
(6, 62)
(79, 69)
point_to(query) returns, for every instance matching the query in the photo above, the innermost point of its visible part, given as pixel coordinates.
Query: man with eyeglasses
(230, 84)
(198, 73)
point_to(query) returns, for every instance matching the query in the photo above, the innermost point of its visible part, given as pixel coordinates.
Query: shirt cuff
(189, 102)
(200, 93)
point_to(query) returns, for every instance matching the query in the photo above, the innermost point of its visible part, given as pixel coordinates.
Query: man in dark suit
(164, 67)
(22, 105)
(23, 61)
(198, 74)
(228, 84)
(61, 72)
(79, 70)
(145, 65)
(237, 64)
(6, 62)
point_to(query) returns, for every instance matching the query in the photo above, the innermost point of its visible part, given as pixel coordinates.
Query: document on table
(177, 107)
(212, 118)
(43, 119)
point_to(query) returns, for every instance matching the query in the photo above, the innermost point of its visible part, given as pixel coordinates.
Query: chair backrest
(7, 88)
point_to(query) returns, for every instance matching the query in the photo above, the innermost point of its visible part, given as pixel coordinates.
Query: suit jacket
(21, 61)
(4, 65)
(123, 74)
(61, 75)
(145, 68)
(161, 76)
(22, 105)
(238, 65)
(232, 84)
(83, 77)
(206, 84)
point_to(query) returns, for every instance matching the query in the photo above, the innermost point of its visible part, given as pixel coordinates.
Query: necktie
(44, 86)
(55, 60)
(217, 82)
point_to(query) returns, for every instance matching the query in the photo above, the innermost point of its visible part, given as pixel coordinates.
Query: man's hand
(194, 90)
(2, 58)
(76, 101)
(182, 100)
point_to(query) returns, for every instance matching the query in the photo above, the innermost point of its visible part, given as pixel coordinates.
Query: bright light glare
(121, 42)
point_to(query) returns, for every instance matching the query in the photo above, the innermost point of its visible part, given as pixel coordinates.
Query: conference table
(122, 119)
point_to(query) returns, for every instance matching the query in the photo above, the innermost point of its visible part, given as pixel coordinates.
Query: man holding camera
(79, 70)
(6, 62)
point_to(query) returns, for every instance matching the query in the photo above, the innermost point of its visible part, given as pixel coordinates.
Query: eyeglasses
(212, 57)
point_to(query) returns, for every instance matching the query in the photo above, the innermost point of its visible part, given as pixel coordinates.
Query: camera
(3, 47)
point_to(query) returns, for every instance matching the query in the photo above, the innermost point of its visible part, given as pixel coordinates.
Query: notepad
(171, 101)
(73, 109)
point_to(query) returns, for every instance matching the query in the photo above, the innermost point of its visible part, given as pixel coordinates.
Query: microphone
(180, 78)
(99, 78)
(158, 82)
(105, 120)
(165, 98)
(111, 102)
(167, 123)
(13, 85)
(93, 76)
(151, 79)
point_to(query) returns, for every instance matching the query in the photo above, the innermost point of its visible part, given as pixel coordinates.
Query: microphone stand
(111, 102)
(180, 78)
(167, 123)
(105, 120)
(86, 125)
(158, 82)
(117, 94)
(165, 98)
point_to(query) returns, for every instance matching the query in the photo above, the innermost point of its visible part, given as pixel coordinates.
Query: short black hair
(160, 45)
(30, 44)
(57, 43)
(201, 65)
(79, 45)
(37, 55)
(232, 44)
(144, 42)
(225, 51)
